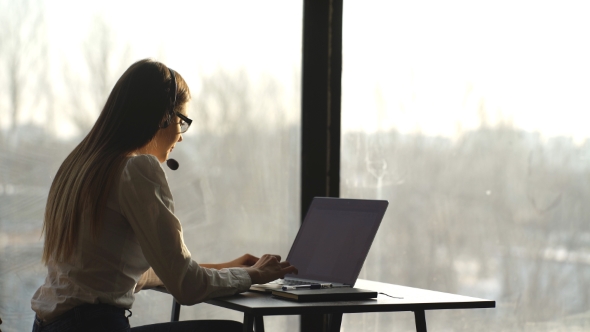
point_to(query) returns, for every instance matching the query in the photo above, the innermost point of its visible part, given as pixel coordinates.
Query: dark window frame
(321, 76)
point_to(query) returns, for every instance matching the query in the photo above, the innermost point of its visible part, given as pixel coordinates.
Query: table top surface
(262, 304)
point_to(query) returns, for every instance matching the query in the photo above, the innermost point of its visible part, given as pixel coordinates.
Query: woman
(110, 228)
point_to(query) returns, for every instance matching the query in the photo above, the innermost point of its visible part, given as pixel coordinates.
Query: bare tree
(23, 57)
(105, 59)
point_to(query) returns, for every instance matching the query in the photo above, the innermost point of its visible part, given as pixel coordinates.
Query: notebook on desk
(326, 294)
(332, 243)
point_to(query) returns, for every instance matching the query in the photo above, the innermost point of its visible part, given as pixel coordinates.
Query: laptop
(332, 243)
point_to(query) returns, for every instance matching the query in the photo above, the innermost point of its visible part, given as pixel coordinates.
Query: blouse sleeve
(146, 202)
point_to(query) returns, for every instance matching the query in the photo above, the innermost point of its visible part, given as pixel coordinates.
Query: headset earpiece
(170, 111)
(166, 122)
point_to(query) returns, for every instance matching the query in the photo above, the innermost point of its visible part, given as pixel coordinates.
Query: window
(470, 118)
(236, 190)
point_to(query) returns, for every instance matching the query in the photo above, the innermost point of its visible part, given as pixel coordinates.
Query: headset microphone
(172, 164)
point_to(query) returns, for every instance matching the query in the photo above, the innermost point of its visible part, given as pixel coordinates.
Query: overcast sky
(430, 66)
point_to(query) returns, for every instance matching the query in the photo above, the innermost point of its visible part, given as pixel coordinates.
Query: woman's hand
(269, 268)
(246, 260)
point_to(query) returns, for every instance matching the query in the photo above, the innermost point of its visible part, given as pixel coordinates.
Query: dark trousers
(104, 317)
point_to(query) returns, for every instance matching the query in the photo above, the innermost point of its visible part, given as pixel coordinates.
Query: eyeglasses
(184, 123)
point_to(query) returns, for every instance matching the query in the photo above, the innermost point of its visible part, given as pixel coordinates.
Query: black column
(320, 104)
(320, 109)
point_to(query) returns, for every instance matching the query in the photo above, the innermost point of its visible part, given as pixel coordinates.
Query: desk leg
(420, 320)
(248, 323)
(332, 322)
(175, 315)
(259, 324)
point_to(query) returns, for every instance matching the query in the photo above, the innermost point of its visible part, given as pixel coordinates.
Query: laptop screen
(335, 238)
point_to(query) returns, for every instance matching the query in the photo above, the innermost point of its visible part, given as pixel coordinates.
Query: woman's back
(104, 270)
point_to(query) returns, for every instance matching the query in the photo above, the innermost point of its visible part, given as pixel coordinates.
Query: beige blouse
(139, 231)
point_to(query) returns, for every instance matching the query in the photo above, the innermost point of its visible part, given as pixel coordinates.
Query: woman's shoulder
(142, 180)
(144, 166)
(146, 160)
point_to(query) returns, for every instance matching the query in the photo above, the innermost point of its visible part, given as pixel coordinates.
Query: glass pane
(471, 119)
(237, 188)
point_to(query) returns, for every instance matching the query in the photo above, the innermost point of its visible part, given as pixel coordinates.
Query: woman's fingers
(290, 269)
(269, 256)
(285, 264)
(250, 259)
(270, 267)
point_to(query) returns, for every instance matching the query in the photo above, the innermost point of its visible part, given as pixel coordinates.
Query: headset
(170, 112)
(172, 164)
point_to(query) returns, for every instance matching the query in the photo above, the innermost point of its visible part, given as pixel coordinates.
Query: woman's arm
(262, 270)
(146, 202)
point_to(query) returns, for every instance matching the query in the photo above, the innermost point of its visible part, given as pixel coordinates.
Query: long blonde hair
(131, 117)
